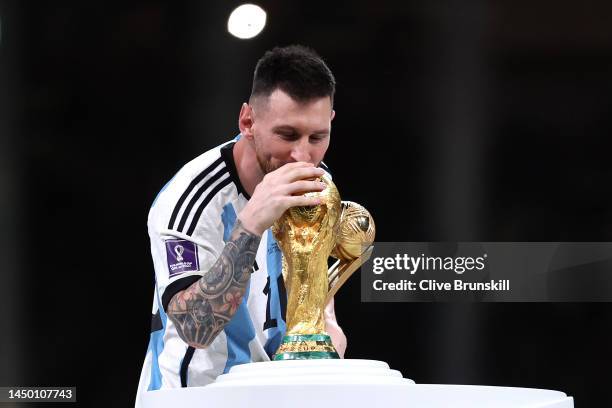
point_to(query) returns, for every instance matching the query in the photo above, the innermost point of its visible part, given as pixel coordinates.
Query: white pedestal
(343, 383)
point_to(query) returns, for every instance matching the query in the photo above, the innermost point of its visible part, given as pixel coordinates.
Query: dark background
(456, 120)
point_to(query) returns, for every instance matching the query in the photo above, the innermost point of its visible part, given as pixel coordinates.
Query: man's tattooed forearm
(202, 310)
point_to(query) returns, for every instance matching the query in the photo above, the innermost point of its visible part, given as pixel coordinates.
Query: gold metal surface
(355, 233)
(307, 236)
(340, 271)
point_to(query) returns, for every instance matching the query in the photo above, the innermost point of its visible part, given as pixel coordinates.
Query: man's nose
(301, 151)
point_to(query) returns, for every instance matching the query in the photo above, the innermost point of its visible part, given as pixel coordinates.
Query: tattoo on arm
(202, 310)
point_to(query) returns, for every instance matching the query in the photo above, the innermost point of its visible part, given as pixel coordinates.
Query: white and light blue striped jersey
(189, 223)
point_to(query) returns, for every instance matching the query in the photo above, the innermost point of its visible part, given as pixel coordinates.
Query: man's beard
(266, 166)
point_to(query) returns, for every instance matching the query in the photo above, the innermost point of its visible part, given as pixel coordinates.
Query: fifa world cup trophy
(307, 236)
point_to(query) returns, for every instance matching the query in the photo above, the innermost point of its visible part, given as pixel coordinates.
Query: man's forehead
(280, 102)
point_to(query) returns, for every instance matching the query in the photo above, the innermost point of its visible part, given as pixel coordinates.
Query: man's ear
(333, 115)
(245, 121)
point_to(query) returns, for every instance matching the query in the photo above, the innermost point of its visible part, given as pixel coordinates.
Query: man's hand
(278, 191)
(332, 328)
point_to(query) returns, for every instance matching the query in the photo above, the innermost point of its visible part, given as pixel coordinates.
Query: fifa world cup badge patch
(182, 256)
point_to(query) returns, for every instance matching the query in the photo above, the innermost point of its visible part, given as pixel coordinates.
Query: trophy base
(306, 347)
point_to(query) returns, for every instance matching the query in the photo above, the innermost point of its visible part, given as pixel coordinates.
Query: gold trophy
(307, 236)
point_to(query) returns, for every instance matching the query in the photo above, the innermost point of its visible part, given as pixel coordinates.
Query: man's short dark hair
(296, 70)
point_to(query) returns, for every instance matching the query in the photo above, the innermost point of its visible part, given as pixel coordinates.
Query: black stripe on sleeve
(200, 210)
(185, 365)
(156, 322)
(191, 186)
(176, 286)
(197, 195)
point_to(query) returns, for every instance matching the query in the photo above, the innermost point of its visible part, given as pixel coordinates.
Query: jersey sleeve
(180, 259)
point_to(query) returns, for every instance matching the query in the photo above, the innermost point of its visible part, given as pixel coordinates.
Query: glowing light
(246, 21)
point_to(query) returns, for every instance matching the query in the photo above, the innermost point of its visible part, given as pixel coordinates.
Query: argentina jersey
(189, 223)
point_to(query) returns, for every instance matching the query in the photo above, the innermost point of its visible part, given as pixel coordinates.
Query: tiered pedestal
(343, 383)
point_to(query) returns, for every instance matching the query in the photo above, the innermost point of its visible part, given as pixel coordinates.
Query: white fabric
(206, 364)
